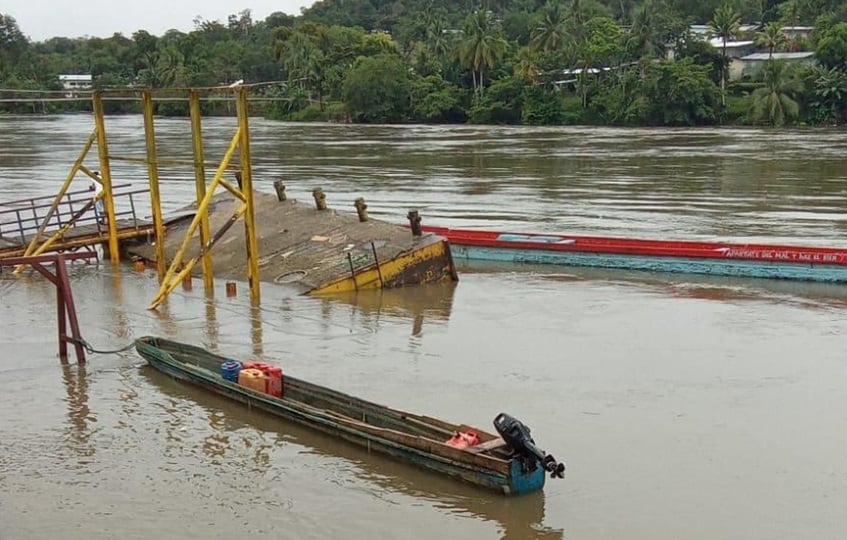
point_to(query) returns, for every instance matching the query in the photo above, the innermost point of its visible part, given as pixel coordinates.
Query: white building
(75, 83)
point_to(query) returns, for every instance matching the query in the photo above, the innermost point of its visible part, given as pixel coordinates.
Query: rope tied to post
(91, 350)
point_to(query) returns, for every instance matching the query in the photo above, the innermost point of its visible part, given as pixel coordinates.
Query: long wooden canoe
(717, 258)
(420, 440)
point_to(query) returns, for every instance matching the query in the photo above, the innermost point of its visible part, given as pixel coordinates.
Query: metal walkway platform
(75, 222)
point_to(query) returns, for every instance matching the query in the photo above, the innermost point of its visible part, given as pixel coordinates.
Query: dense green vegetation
(485, 61)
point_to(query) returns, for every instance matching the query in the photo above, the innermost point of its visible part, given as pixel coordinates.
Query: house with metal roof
(749, 65)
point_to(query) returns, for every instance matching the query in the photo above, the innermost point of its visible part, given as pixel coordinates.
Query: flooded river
(685, 407)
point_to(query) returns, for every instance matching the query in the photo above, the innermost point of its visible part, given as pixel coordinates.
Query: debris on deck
(318, 251)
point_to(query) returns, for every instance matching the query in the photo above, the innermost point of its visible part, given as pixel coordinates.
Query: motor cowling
(517, 435)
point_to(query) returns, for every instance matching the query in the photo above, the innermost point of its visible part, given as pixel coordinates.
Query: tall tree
(724, 25)
(481, 47)
(13, 43)
(550, 33)
(377, 89)
(773, 104)
(831, 51)
(771, 36)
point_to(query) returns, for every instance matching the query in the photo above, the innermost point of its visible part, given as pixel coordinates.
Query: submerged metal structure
(323, 250)
(170, 272)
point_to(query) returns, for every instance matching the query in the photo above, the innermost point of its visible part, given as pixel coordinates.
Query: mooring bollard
(280, 190)
(361, 209)
(230, 289)
(186, 282)
(415, 222)
(320, 198)
(139, 265)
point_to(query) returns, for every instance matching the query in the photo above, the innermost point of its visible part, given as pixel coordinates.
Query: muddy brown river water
(685, 407)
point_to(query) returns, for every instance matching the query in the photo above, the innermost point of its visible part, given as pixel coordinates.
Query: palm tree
(577, 17)
(299, 56)
(643, 39)
(526, 67)
(772, 37)
(724, 24)
(482, 46)
(438, 39)
(551, 32)
(772, 104)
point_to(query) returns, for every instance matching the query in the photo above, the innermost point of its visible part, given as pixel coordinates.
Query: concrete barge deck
(318, 251)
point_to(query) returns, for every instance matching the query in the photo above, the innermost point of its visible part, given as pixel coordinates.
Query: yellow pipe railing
(247, 189)
(164, 162)
(106, 175)
(200, 185)
(153, 181)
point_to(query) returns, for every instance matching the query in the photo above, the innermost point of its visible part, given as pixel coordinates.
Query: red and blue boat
(694, 257)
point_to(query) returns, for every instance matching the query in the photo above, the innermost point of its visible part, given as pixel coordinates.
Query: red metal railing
(65, 308)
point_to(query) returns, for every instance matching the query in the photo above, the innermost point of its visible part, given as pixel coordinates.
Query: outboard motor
(516, 434)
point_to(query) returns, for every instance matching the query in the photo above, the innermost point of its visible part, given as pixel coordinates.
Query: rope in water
(91, 350)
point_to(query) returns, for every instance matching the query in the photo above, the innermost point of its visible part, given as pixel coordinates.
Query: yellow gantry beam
(172, 275)
(106, 175)
(170, 282)
(153, 180)
(176, 279)
(247, 189)
(200, 186)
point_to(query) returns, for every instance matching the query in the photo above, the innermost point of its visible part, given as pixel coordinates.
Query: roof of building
(779, 56)
(75, 77)
(718, 43)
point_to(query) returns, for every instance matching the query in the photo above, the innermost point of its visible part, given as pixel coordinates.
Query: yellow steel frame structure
(171, 276)
(180, 268)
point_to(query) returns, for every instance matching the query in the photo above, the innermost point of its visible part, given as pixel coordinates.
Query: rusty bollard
(361, 209)
(230, 289)
(138, 265)
(280, 190)
(186, 282)
(415, 222)
(320, 198)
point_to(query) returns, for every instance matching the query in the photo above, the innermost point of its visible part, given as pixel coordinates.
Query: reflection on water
(419, 304)
(80, 417)
(256, 331)
(706, 287)
(518, 518)
(212, 326)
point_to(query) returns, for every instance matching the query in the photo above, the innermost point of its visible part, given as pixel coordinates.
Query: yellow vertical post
(247, 190)
(200, 185)
(106, 175)
(153, 179)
